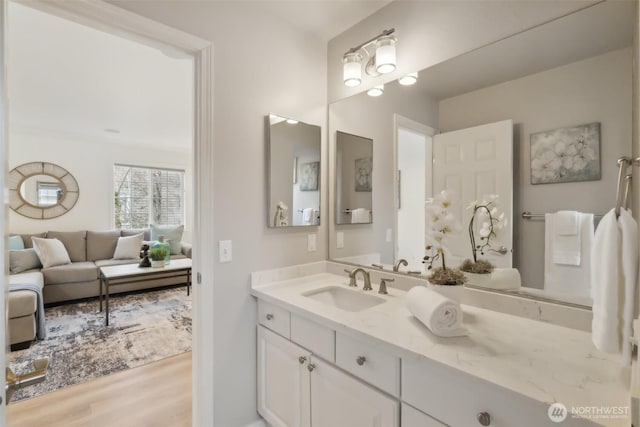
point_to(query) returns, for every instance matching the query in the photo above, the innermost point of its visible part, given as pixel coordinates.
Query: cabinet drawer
(411, 417)
(274, 318)
(314, 337)
(456, 398)
(368, 361)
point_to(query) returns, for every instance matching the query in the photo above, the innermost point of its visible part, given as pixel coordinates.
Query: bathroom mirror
(354, 170)
(586, 78)
(42, 190)
(293, 172)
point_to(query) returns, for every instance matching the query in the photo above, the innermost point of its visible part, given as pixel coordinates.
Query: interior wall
(430, 32)
(261, 64)
(593, 90)
(373, 118)
(90, 161)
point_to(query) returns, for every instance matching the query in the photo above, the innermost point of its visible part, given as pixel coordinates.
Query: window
(146, 196)
(49, 193)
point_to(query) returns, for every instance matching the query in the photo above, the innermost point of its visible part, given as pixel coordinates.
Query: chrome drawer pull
(302, 359)
(360, 360)
(269, 316)
(311, 367)
(484, 418)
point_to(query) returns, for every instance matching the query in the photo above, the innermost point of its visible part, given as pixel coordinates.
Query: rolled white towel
(441, 315)
(499, 278)
(360, 216)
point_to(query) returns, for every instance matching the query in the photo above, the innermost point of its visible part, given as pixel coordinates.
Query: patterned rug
(144, 327)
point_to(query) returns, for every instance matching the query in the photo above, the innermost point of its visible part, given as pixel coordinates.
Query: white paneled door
(471, 163)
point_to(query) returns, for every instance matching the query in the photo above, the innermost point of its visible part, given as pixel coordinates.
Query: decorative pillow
(51, 252)
(172, 233)
(16, 243)
(22, 260)
(128, 247)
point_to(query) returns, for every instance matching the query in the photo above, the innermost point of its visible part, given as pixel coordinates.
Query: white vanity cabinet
(297, 389)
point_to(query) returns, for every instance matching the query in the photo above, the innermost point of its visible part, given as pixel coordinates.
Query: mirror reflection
(544, 95)
(354, 185)
(42, 190)
(294, 172)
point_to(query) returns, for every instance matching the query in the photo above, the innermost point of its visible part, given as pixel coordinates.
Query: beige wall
(430, 32)
(593, 90)
(261, 64)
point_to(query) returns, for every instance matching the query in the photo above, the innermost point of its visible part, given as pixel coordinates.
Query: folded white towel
(571, 277)
(614, 273)
(441, 315)
(499, 278)
(307, 216)
(563, 228)
(360, 216)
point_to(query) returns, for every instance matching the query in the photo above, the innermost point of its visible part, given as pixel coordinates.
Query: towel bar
(532, 216)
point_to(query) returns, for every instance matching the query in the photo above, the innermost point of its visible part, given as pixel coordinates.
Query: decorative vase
(157, 264)
(453, 292)
(161, 243)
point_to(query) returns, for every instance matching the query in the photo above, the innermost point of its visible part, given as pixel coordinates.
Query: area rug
(144, 327)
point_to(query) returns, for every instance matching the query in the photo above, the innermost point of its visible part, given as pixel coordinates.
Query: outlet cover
(340, 240)
(311, 242)
(225, 251)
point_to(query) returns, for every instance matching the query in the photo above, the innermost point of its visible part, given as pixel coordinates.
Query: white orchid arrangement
(441, 222)
(488, 213)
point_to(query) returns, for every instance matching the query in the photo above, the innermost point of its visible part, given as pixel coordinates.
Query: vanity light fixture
(409, 79)
(380, 54)
(292, 122)
(376, 90)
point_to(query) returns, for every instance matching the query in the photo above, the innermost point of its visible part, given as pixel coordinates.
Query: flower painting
(309, 176)
(566, 155)
(363, 174)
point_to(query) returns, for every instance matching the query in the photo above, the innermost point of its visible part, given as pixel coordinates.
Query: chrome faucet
(402, 261)
(365, 274)
(383, 285)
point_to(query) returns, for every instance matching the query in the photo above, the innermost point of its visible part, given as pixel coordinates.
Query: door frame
(107, 17)
(414, 126)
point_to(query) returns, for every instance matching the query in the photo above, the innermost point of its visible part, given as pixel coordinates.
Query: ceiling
(75, 81)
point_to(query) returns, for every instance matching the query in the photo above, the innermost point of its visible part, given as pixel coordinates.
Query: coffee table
(114, 275)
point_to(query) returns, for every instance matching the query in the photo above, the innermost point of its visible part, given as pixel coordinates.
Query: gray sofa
(88, 251)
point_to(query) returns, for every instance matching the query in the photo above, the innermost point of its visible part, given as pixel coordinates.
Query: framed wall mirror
(42, 190)
(294, 172)
(586, 78)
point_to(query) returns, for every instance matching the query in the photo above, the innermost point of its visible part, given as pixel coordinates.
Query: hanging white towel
(307, 216)
(441, 315)
(568, 278)
(565, 228)
(614, 273)
(360, 216)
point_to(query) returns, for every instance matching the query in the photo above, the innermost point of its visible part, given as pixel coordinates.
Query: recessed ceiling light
(292, 122)
(376, 90)
(409, 79)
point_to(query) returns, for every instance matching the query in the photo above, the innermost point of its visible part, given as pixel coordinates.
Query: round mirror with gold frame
(42, 190)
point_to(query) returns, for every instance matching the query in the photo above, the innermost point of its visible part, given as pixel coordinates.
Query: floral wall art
(566, 155)
(364, 168)
(309, 176)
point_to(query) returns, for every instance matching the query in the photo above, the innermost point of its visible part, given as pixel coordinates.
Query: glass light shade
(376, 90)
(409, 79)
(352, 71)
(386, 54)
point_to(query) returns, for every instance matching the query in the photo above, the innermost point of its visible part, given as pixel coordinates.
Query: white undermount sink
(344, 299)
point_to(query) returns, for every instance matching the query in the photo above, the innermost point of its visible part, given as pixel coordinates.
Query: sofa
(88, 251)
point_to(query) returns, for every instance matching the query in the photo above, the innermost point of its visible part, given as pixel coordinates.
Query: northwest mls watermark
(559, 412)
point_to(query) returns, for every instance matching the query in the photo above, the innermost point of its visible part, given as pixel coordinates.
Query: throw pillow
(128, 247)
(16, 243)
(172, 233)
(51, 252)
(23, 260)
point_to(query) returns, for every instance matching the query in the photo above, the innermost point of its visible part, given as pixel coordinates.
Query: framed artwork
(566, 155)
(308, 176)
(363, 174)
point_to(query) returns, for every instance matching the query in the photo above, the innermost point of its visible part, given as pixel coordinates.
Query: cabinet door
(339, 400)
(283, 381)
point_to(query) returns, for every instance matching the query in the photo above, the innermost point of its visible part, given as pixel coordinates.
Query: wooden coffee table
(114, 275)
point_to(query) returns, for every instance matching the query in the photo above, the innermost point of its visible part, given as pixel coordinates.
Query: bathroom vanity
(333, 355)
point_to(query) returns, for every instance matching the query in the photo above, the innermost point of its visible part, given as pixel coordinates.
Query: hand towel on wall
(441, 315)
(614, 273)
(307, 216)
(360, 216)
(566, 277)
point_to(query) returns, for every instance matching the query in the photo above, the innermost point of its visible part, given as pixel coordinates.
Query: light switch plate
(340, 240)
(311, 242)
(225, 251)
(389, 235)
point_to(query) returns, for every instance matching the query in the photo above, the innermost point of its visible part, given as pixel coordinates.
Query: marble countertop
(542, 361)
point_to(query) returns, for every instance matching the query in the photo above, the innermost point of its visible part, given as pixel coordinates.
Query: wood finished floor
(153, 395)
